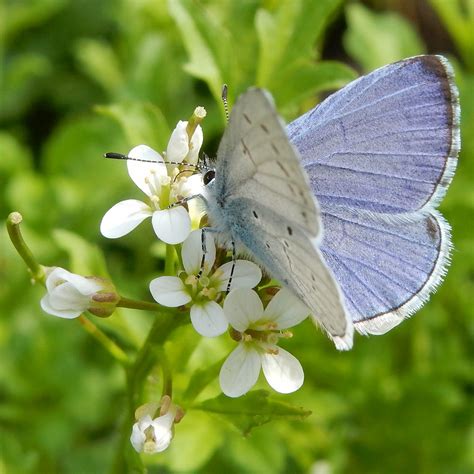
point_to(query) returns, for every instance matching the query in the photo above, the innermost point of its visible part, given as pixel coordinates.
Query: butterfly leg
(233, 266)
(204, 230)
(204, 251)
(184, 200)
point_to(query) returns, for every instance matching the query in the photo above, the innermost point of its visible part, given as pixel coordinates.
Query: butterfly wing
(388, 142)
(386, 270)
(262, 199)
(380, 155)
(256, 160)
(296, 262)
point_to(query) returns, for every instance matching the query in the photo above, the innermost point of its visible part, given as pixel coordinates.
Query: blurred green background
(81, 77)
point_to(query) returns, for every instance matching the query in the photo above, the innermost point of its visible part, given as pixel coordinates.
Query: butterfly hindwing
(386, 270)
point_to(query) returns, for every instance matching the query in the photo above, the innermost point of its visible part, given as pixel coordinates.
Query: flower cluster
(221, 294)
(166, 186)
(203, 288)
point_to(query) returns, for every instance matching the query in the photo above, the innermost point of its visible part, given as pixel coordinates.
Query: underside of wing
(292, 258)
(386, 143)
(386, 270)
(256, 160)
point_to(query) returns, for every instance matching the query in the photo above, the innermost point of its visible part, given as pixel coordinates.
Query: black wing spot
(432, 228)
(290, 230)
(264, 128)
(275, 149)
(255, 214)
(246, 117)
(267, 245)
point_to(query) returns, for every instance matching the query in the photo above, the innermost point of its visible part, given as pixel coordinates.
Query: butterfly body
(340, 206)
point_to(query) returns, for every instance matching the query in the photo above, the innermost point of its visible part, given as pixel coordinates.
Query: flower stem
(137, 304)
(106, 342)
(170, 258)
(167, 377)
(13, 227)
(147, 357)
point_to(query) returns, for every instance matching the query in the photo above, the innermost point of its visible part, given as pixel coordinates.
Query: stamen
(272, 350)
(235, 335)
(191, 280)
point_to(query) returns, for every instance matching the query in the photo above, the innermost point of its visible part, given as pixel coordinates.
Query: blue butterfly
(341, 205)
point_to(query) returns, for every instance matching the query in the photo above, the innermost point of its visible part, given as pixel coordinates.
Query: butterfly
(341, 205)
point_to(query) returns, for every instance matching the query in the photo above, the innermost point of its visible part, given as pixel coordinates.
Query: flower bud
(68, 295)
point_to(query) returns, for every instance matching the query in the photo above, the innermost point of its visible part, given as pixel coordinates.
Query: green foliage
(374, 39)
(252, 410)
(82, 78)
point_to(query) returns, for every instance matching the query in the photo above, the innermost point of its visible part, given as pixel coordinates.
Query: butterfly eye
(208, 177)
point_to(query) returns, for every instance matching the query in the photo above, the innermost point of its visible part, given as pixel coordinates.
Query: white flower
(152, 436)
(207, 315)
(163, 186)
(69, 294)
(258, 331)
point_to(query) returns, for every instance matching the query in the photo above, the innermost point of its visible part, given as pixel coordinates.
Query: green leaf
(200, 379)
(141, 122)
(376, 39)
(16, 157)
(303, 79)
(86, 258)
(274, 34)
(100, 62)
(198, 436)
(290, 34)
(202, 63)
(252, 410)
(458, 18)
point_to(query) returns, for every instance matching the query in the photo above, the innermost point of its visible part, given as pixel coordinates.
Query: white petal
(178, 146)
(65, 296)
(86, 286)
(123, 218)
(162, 432)
(242, 307)
(286, 309)
(246, 275)
(137, 437)
(172, 225)
(240, 371)
(282, 371)
(61, 313)
(208, 319)
(150, 168)
(196, 143)
(169, 291)
(188, 186)
(191, 252)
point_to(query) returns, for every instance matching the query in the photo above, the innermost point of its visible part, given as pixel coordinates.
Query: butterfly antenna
(224, 101)
(118, 156)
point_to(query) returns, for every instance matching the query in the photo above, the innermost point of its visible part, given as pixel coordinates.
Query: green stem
(145, 305)
(13, 227)
(147, 357)
(167, 377)
(106, 342)
(170, 259)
